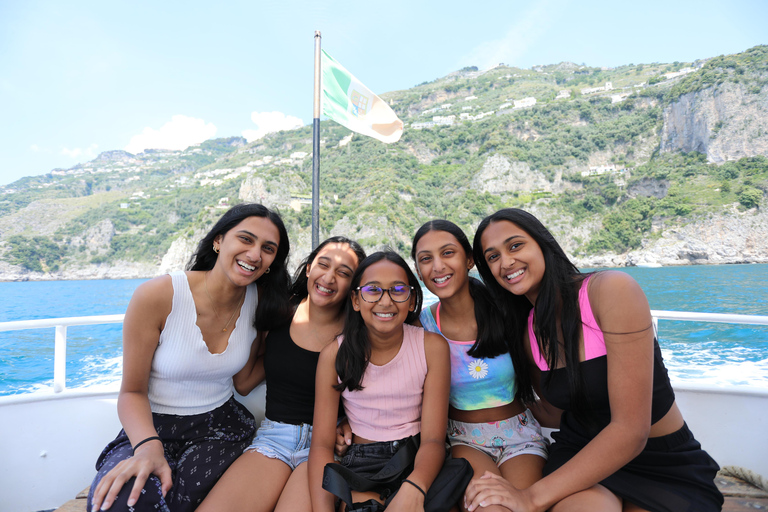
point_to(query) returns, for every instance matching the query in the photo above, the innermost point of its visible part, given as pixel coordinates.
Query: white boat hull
(50, 442)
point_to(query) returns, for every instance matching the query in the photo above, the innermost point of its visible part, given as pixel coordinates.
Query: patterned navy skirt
(198, 448)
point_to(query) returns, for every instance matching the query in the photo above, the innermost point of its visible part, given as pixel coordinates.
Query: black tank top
(290, 377)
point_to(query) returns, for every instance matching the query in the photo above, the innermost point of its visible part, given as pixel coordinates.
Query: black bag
(443, 494)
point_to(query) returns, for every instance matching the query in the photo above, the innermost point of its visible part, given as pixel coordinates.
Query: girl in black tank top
(287, 359)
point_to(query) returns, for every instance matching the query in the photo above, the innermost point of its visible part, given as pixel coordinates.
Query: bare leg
(254, 483)
(295, 495)
(590, 500)
(524, 470)
(480, 463)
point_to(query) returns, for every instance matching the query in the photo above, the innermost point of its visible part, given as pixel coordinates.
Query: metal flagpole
(316, 149)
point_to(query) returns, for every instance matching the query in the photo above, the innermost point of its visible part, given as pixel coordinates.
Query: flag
(351, 104)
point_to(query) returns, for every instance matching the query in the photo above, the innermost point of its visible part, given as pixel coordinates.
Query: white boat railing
(60, 331)
(60, 338)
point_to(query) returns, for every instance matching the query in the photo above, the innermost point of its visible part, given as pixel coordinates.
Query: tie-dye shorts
(501, 440)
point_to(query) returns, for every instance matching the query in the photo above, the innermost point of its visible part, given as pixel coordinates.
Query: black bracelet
(145, 441)
(416, 486)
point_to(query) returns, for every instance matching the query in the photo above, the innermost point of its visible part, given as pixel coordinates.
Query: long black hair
(558, 298)
(298, 290)
(355, 351)
(491, 336)
(273, 308)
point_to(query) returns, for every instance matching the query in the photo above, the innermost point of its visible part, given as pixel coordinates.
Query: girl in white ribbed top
(184, 337)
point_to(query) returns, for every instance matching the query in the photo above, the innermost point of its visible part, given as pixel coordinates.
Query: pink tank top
(388, 407)
(594, 343)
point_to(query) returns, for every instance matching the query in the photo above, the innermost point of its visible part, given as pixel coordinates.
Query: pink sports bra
(594, 343)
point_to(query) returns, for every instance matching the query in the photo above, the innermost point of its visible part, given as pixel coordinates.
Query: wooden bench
(739, 497)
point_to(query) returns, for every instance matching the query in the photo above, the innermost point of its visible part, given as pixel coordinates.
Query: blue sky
(81, 77)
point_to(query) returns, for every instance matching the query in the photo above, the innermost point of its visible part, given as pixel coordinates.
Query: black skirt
(671, 474)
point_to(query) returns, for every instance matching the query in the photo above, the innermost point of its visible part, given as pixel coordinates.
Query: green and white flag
(351, 104)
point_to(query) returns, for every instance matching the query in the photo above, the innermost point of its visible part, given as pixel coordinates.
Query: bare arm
(434, 419)
(252, 374)
(323, 427)
(623, 314)
(144, 321)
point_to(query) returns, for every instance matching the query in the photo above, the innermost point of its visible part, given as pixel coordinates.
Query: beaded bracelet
(152, 438)
(416, 486)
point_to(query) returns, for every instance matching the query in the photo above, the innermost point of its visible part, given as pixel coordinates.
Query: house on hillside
(675, 74)
(298, 201)
(591, 90)
(525, 102)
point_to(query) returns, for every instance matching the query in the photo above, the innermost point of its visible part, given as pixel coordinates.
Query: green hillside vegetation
(157, 196)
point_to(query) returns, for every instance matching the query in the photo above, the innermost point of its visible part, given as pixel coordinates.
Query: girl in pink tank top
(393, 380)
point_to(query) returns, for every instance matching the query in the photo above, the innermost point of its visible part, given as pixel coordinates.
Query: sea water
(706, 353)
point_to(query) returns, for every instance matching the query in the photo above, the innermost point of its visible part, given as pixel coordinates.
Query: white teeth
(514, 275)
(323, 289)
(246, 266)
(385, 315)
(441, 280)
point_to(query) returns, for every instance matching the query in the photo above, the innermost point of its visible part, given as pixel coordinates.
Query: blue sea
(705, 353)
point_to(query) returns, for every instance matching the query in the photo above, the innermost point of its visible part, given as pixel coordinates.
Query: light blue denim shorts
(501, 440)
(283, 441)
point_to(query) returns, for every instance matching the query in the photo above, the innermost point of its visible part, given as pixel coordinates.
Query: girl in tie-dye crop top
(476, 382)
(488, 421)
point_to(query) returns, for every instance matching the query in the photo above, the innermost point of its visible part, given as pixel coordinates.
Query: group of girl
(538, 344)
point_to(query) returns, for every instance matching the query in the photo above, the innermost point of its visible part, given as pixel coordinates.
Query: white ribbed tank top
(186, 378)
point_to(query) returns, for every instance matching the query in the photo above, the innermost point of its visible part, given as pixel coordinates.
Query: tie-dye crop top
(476, 382)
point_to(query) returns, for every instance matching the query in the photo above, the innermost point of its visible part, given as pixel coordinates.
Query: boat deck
(740, 496)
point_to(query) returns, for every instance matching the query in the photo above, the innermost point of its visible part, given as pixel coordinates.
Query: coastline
(15, 273)
(728, 238)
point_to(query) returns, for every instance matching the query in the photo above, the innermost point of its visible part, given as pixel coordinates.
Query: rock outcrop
(501, 176)
(729, 237)
(726, 123)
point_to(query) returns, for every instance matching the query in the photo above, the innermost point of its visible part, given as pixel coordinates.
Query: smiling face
(247, 250)
(514, 258)
(330, 274)
(442, 263)
(384, 317)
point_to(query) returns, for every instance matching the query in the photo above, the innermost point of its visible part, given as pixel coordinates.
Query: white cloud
(270, 122)
(525, 33)
(35, 148)
(178, 133)
(81, 153)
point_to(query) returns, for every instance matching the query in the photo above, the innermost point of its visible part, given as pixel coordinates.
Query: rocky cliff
(725, 122)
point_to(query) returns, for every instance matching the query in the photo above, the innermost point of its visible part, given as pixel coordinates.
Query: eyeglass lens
(398, 293)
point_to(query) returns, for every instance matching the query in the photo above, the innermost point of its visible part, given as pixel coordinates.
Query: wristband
(145, 441)
(416, 486)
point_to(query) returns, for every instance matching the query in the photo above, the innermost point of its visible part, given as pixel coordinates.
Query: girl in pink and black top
(622, 443)
(393, 380)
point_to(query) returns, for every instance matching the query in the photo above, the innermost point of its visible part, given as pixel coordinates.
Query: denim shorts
(283, 441)
(501, 440)
(368, 459)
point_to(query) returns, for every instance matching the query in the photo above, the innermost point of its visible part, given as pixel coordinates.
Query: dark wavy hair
(558, 298)
(298, 290)
(491, 336)
(273, 308)
(355, 351)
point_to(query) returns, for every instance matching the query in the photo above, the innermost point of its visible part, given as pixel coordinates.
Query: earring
(215, 249)
(267, 271)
